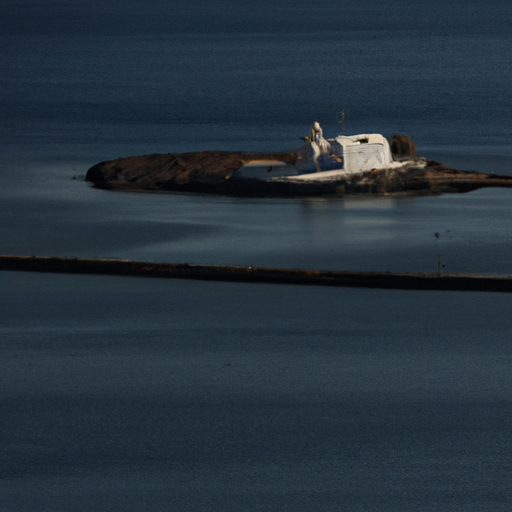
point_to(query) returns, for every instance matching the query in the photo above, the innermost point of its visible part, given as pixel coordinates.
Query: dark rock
(214, 172)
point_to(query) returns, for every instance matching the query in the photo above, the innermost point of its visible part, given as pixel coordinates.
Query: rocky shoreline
(215, 172)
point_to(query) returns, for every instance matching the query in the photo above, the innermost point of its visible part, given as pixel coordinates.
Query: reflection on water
(345, 224)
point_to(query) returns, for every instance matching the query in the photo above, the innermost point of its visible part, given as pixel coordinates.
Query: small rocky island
(361, 164)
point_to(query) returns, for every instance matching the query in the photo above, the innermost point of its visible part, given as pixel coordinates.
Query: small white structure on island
(321, 160)
(351, 154)
(362, 152)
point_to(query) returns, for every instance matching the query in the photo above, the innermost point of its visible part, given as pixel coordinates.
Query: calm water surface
(124, 394)
(133, 394)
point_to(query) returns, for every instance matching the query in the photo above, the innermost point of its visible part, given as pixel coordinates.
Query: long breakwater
(230, 273)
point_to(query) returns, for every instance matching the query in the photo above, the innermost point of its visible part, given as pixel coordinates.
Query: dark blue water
(123, 394)
(131, 394)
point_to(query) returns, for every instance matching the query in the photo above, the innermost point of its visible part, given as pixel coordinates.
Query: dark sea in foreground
(137, 394)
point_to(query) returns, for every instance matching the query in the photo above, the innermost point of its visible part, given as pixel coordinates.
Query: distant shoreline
(231, 273)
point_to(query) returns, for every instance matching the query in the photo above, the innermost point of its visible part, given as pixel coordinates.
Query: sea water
(129, 394)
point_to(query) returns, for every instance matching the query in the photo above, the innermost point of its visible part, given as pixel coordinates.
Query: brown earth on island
(215, 172)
